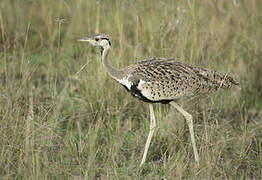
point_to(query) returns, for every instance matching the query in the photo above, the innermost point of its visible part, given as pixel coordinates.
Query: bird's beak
(85, 39)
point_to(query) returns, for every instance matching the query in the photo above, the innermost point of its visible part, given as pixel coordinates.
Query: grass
(62, 117)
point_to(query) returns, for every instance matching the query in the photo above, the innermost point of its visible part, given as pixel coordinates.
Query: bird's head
(100, 40)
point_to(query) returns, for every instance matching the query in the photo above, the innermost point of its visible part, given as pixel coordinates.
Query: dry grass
(62, 117)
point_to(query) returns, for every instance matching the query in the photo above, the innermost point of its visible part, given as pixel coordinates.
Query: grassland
(62, 117)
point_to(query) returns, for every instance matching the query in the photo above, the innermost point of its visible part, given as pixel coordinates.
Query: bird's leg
(152, 129)
(189, 121)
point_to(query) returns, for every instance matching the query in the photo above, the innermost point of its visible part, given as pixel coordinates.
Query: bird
(162, 80)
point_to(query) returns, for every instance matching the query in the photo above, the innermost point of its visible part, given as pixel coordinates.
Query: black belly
(137, 94)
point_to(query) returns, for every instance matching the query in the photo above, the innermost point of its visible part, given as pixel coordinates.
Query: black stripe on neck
(107, 40)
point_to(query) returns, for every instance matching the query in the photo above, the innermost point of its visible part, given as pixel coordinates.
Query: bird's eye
(96, 39)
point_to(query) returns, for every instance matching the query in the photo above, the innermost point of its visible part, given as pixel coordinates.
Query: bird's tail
(218, 80)
(224, 81)
(228, 82)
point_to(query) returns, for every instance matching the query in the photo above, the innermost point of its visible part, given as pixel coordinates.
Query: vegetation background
(62, 117)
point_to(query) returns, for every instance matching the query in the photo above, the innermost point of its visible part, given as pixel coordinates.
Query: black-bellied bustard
(161, 80)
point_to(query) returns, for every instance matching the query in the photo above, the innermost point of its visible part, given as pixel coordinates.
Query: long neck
(113, 72)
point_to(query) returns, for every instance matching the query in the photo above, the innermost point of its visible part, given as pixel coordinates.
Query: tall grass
(62, 117)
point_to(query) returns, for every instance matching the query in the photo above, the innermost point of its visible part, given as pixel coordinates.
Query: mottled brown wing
(167, 79)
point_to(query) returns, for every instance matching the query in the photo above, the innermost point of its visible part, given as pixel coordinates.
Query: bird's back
(163, 80)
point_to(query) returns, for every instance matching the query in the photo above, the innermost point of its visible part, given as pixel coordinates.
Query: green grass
(62, 117)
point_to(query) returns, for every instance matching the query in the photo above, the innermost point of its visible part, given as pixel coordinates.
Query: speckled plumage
(163, 80)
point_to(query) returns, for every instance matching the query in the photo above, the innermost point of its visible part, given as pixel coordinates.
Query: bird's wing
(161, 79)
(165, 79)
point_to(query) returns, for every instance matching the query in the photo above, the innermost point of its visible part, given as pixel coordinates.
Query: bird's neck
(113, 72)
